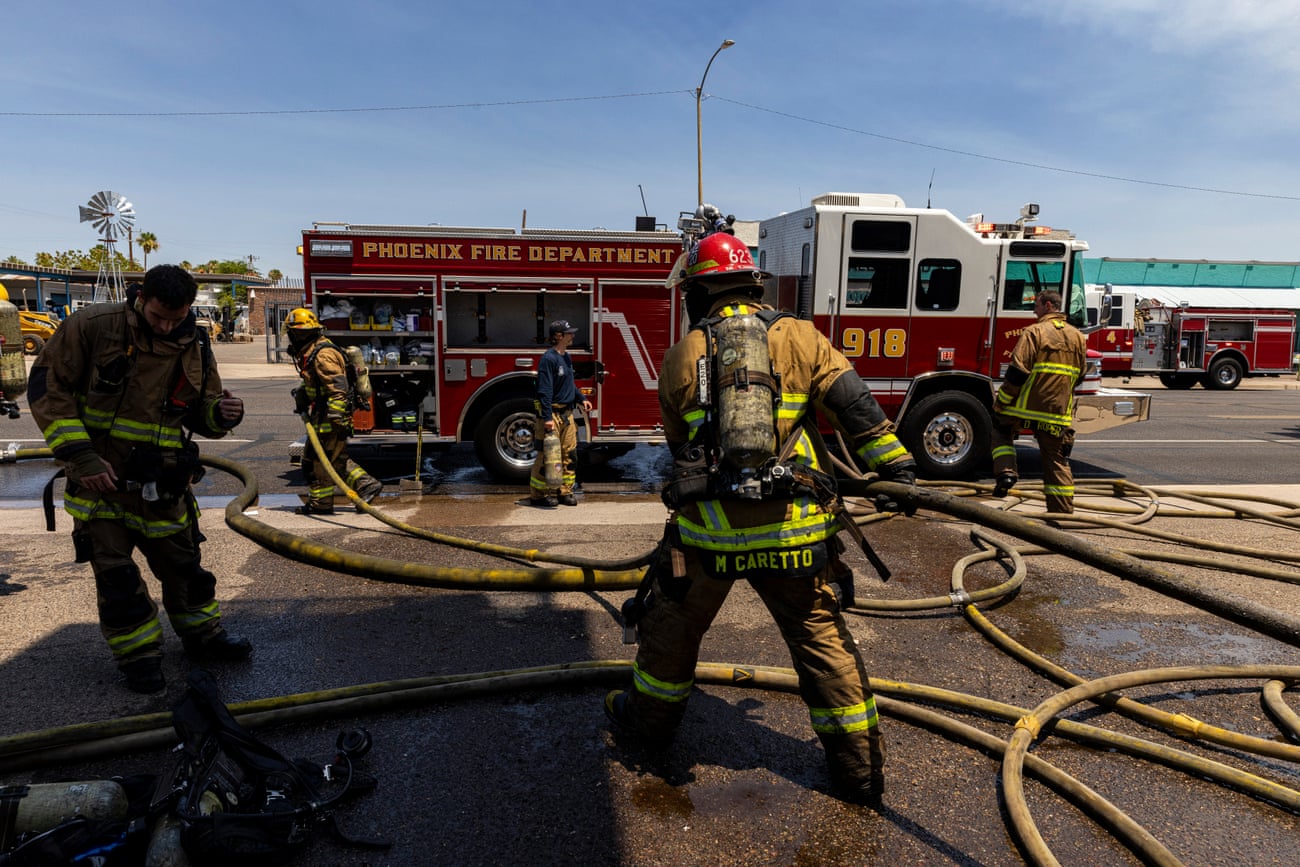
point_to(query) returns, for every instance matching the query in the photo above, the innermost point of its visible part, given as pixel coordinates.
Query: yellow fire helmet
(301, 318)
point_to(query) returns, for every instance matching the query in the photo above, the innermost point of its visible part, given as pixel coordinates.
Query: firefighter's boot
(219, 647)
(1006, 481)
(368, 488)
(144, 675)
(624, 723)
(855, 761)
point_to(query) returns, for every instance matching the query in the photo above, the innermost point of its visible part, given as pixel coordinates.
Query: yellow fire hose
(91, 740)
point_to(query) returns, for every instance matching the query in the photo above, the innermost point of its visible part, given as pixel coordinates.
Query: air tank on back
(13, 371)
(745, 395)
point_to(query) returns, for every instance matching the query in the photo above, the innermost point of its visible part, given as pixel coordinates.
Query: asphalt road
(530, 773)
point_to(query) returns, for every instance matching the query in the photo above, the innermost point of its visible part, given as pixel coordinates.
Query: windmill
(112, 216)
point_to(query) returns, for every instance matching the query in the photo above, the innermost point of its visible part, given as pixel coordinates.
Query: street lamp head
(727, 43)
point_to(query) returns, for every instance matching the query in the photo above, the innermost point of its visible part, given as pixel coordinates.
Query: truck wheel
(1224, 374)
(947, 434)
(504, 440)
(1178, 380)
(33, 343)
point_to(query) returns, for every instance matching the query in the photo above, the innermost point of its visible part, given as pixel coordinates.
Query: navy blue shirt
(555, 382)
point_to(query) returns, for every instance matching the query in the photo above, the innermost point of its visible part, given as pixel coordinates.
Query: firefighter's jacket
(324, 371)
(1046, 364)
(813, 374)
(107, 390)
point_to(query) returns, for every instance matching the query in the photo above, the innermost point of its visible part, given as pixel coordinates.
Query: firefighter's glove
(903, 473)
(84, 463)
(301, 402)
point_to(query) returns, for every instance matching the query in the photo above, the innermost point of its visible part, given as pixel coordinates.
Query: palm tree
(274, 276)
(148, 244)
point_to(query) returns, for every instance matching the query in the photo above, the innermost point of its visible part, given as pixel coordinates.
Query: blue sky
(232, 126)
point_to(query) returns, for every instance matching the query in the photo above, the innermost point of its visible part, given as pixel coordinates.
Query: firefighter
(781, 540)
(1038, 393)
(557, 397)
(325, 398)
(118, 392)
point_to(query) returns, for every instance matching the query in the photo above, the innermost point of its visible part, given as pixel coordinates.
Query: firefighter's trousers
(128, 616)
(832, 677)
(320, 488)
(1054, 445)
(567, 430)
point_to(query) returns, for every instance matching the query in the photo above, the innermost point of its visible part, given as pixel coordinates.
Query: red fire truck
(929, 307)
(454, 321)
(1157, 331)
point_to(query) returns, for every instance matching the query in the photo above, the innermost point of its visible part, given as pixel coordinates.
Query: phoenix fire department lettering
(377, 250)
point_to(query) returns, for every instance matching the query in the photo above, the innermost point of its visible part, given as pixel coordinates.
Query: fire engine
(928, 307)
(1181, 335)
(454, 321)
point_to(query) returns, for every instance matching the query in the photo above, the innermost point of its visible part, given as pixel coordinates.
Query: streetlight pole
(699, 135)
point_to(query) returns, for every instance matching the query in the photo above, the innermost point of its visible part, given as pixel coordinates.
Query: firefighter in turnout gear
(326, 399)
(118, 391)
(1038, 393)
(774, 526)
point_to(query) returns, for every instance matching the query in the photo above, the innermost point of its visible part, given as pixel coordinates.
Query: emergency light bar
(1008, 229)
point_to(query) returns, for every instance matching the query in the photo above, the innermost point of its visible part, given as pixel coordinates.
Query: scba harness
(241, 802)
(733, 456)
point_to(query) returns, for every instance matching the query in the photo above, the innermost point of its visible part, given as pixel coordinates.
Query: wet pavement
(526, 771)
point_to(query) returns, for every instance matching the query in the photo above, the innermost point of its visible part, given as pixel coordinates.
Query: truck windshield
(1024, 279)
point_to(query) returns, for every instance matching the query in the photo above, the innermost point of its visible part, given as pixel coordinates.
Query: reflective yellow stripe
(842, 720)
(1059, 490)
(881, 450)
(192, 620)
(95, 509)
(1052, 367)
(662, 690)
(799, 531)
(793, 405)
(1004, 451)
(125, 645)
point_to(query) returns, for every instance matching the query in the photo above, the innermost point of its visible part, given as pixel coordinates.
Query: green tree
(148, 244)
(274, 276)
(79, 260)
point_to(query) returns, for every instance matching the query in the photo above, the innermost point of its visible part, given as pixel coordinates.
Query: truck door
(635, 323)
(875, 300)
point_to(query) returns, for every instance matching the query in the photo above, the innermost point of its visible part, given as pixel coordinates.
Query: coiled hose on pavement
(80, 742)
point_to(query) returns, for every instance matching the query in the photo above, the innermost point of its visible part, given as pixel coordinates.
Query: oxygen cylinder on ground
(743, 388)
(41, 806)
(13, 371)
(364, 390)
(553, 465)
(165, 849)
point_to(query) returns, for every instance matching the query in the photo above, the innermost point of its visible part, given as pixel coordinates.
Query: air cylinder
(364, 389)
(552, 463)
(13, 371)
(39, 807)
(743, 385)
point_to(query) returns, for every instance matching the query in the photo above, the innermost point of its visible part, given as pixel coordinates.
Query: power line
(691, 92)
(355, 110)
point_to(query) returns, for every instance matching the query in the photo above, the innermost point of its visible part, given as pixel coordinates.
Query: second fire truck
(1153, 331)
(453, 321)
